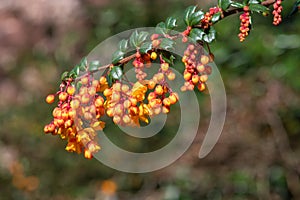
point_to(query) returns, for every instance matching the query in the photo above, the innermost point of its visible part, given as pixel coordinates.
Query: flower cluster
(196, 68)
(77, 117)
(139, 63)
(277, 12)
(245, 19)
(206, 21)
(74, 110)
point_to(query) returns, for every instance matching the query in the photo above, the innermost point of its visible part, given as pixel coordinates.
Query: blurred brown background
(257, 156)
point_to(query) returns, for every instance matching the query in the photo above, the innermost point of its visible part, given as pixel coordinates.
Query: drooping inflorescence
(197, 68)
(84, 100)
(245, 19)
(277, 12)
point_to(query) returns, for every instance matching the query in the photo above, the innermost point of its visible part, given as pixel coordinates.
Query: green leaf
(254, 1)
(171, 23)
(72, 73)
(145, 47)
(93, 66)
(196, 17)
(116, 72)
(167, 44)
(216, 17)
(188, 13)
(64, 75)
(161, 28)
(142, 37)
(117, 56)
(210, 36)
(77, 69)
(224, 4)
(196, 34)
(169, 59)
(134, 38)
(258, 8)
(83, 63)
(123, 45)
(237, 5)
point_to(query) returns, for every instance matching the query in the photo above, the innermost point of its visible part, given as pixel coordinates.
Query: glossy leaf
(161, 28)
(224, 4)
(93, 66)
(123, 45)
(171, 23)
(188, 13)
(167, 44)
(142, 37)
(72, 73)
(83, 63)
(216, 17)
(254, 1)
(196, 34)
(116, 72)
(134, 39)
(117, 56)
(258, 8)
(64, 75)
(77, 69)
(210, 36)
(237, 5)
(196, 17)
(145, 47)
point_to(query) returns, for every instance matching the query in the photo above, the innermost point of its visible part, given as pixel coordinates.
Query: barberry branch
(83, 103)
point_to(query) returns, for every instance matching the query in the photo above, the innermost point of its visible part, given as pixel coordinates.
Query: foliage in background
(246, 165)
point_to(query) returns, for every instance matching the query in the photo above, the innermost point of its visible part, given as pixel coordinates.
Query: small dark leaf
(216, 17)
(237, 5)
(117, 56)
(167, 44)
(196, 34)
(196, 17)
(73, 74)
(116, 72)
(170, 23)
(145, 47)
(161, 28)
(188, 13)
(169, 59)
(224, 4)
(83, 63)
(77, 69)
(64, 75)
(93, 66)
(258, 8)
(210, 36)
(134, 38)
(123, 45)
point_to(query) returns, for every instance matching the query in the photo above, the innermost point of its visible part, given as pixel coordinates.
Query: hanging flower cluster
(197, 68)
(277, 12)
(245, 19)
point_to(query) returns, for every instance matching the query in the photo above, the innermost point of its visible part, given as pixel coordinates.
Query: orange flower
(138, 91)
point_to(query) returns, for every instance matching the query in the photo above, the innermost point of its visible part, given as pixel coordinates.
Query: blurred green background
(257, 156)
